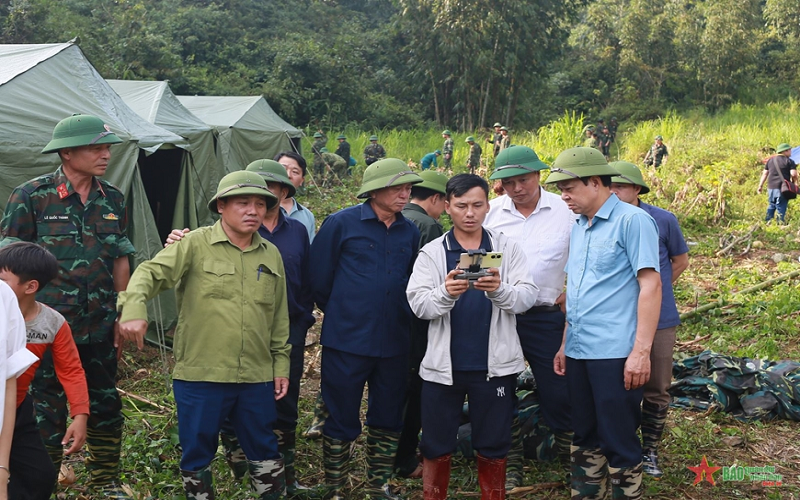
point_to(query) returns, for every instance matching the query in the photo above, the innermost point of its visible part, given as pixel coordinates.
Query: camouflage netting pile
(750, 389)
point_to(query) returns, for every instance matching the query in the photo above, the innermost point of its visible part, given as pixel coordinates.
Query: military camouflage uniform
(373, 153)
(655, 156)
(474, 160)
(337, 164)
(316, 148)
(497, 140)
(86, 239)
(447, 153)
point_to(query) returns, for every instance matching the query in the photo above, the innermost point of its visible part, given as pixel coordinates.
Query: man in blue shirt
(296, 169)
(613, 303)
(362, 260)
(430, 159)
(673, 260)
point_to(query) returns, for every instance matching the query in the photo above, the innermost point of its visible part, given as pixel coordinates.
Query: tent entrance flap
(161, 176)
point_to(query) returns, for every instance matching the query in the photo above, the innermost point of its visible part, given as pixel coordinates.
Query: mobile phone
(491, 259)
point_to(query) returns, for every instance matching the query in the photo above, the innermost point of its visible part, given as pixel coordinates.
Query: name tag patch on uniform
(62, 190)
(111, 216)
(56, 217)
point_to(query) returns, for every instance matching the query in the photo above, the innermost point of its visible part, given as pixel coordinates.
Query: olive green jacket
(233, 322)
(429, 228)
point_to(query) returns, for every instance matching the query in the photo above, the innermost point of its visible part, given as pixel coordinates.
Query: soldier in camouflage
(474, 159)
(497, 138)
(320, 142)
(657, 155)
(447, 150)
(374, 151)
(82, 220)
(505, 140)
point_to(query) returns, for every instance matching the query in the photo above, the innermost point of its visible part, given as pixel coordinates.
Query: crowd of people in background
(576, 286)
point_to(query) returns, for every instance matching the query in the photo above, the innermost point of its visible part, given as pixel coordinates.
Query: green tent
(42, 84)
(178, 192)
(247, 128)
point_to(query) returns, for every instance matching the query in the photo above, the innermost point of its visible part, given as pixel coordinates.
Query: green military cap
(516, 160)
(588, 127)
(242, 183)
(272, 171)
(340, 136)
(504, 128)
(470, 139)
(782, 147)
(80, 130)
(577, 163)
(628, 173)
(433, 180)
(659, 138)
(446, 132)
(373, 138)
(323, 150)
(497, 124)
(386, 173)
(317, 135)
(438, 152)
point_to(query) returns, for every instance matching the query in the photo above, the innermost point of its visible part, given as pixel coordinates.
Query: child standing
(26, 267)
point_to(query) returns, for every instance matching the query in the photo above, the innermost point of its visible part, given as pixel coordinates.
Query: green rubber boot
(626, 482)
(234, 455)
(588, 474)
(654, 419)
(381, 452)
(102, 461)
(336, 460)
(198, 485)
(267, 478)
(314, 431)
(287, 443)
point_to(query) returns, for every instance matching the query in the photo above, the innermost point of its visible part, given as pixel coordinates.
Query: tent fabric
(796, 154)
(200, 170)
(42, 84)
(247, 128)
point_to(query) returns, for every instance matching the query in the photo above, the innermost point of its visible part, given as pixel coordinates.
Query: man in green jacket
(231, 340)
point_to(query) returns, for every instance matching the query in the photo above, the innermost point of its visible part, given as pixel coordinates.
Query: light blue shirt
(304, 215)
(602, 289)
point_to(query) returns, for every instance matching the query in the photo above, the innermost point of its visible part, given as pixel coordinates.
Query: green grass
(710, 183)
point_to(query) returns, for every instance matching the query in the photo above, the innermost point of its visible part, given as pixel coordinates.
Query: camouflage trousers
(104, 429)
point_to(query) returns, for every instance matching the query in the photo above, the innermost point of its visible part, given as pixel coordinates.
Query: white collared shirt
(543, 235)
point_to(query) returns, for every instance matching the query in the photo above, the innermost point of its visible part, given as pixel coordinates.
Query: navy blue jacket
(360, 270)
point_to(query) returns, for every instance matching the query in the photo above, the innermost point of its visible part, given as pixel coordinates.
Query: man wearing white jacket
(473, 349)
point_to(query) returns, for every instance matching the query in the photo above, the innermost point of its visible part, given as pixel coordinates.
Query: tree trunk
(482, 121)
(435, 100)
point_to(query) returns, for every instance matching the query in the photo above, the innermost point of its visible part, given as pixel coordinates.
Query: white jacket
(429, 300)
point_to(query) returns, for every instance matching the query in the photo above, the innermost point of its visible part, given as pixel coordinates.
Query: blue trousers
(204, 406)
(540, 335)
(491, 407)
(604, 414)
(343, 378)
(776, 202)
(287, 405)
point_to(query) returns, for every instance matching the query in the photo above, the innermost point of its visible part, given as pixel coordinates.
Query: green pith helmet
(386, 173)
(629, 174)
(272, 171)
(373, 138)
(341, 137)
(516, 160)
(588, 127)
(433, 180)
(470, 139)
(317, 135)
(438, 152)
(782, 147)
(242, 183)
(497, 124)
(576, 163)
(446, 132)
(80, 130)
(323, 150)
(659, 138)
(503, 128)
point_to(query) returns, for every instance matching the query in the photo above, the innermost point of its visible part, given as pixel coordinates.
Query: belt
(543, 309)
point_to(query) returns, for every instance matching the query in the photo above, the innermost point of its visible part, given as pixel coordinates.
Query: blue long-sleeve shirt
(428, 160)
(291, 238)
(360, 270)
